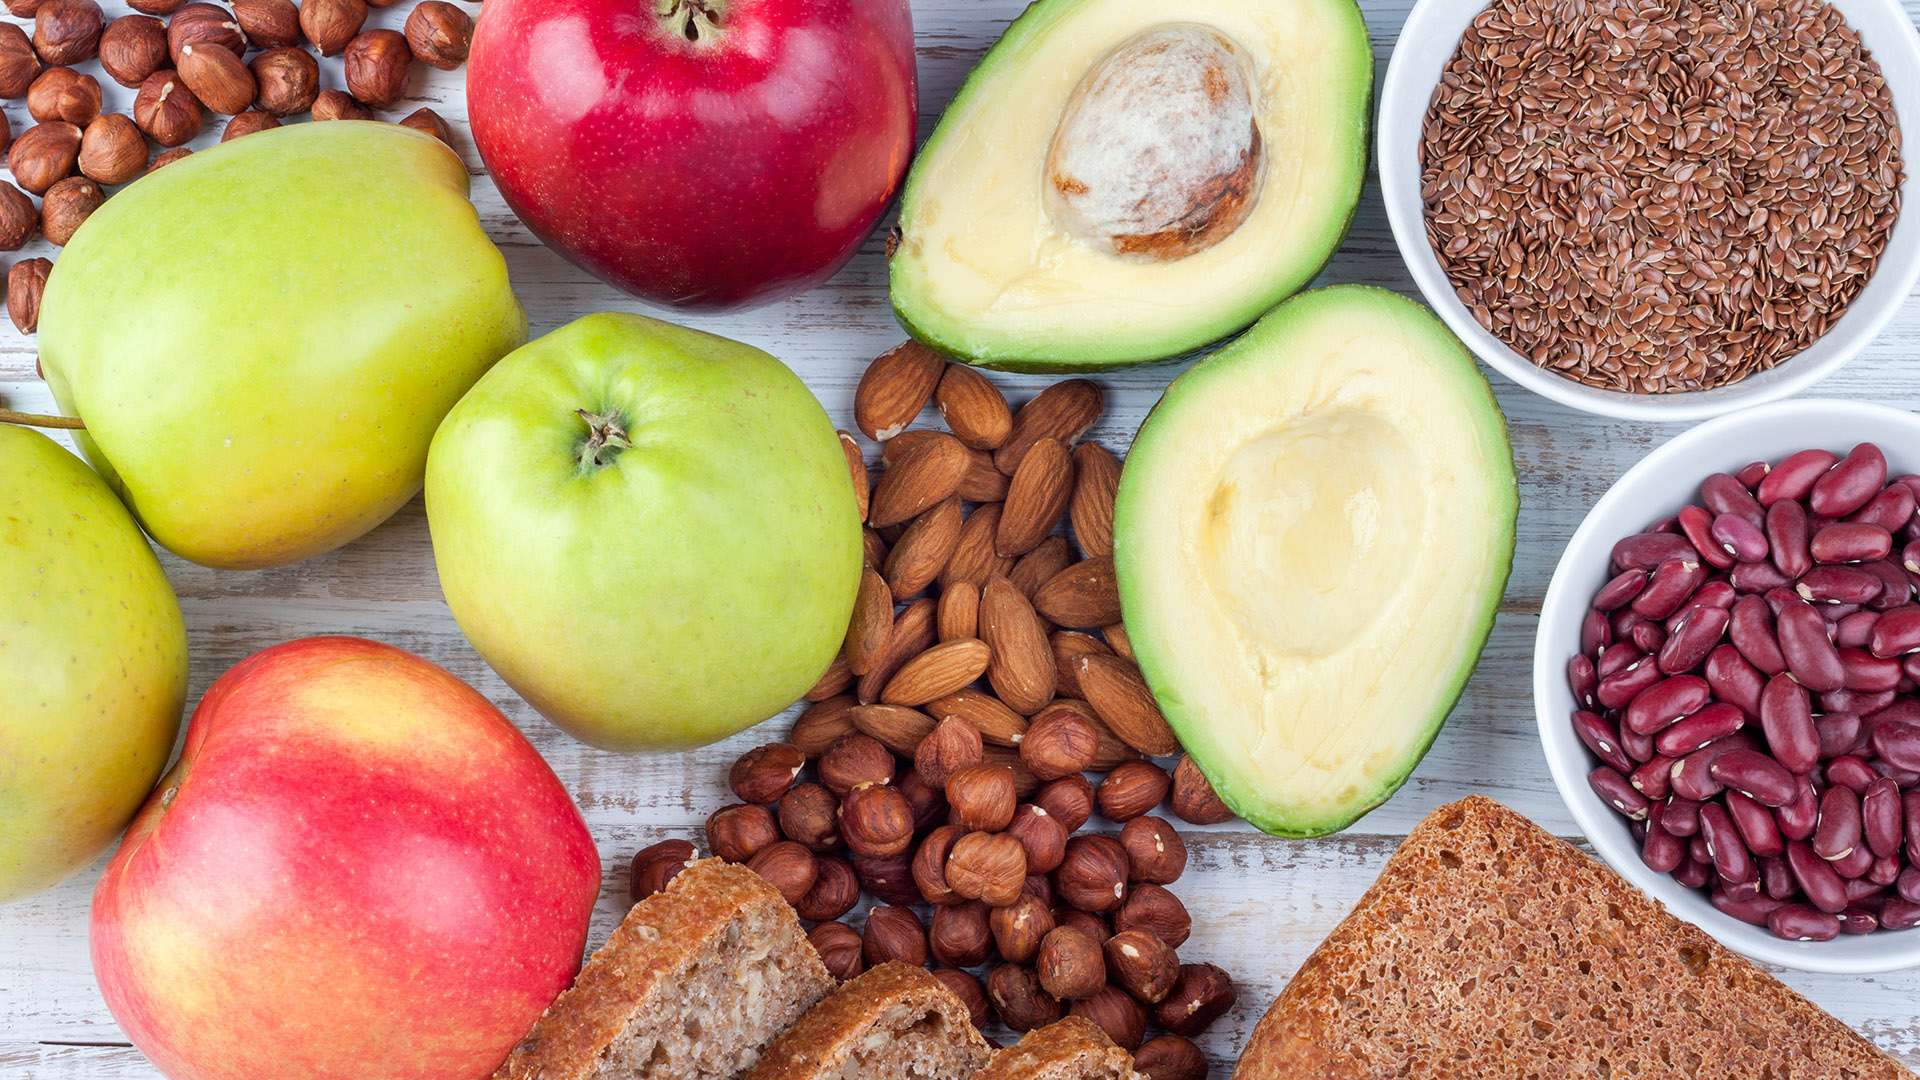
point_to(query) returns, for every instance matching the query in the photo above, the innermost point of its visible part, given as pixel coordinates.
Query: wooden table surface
(1261, 904)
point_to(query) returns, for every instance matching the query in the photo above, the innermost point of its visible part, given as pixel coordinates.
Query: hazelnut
(199, 23)
(1158, 912)
(1069, 800)
(840, 949)
(1016, 994)
(1059, 742)
(1170, 1057)
(19, 66)
(132, 48)
(808, 814)
(25, 282)
(930, 865)
(440, 34)
(1131, 789)
(929, 803)
(286, 81)
(43, 155)
(1142, 964)
(876, 820)
(1093, 876)
(168, 157)
(67, 206)
(166, 110)
(377, 63)
(247, 123)
(425, 119)
(657, 864)
(67, 31)
(764, 773)
(338, 105)
(217, 77)
(982, 797)
(894, 935)
(989, 867)
(1070, 964)
(1019, 928)
(1121, 1017)
(954, 745)
(18, 218)
(1201, 994)
(1039, 886)
(888, 878)
(855, 759)
(1194, 801)
(968, 990)
(64, 94)
(787, 866)
(331, 24)
(268, 24)
(156, 7)
(23, 9)
(822, 724)
(836, 888)
(1086, 922)
(959, 935)
(737, 833)
(1155, 853)
(1043, 837)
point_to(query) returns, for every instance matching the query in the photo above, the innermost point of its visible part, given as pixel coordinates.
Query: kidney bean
(1638, 747)
(1755, 823)
(1830, 584)
(1900, 915)
(1837, 832)
(1884, 871)
(1712, 722)
(1757, 577)
(1740, 538)
(1850, 542)
(1868, 673)
(1733, 680)
(1891, 509)
(1909, 481)
(1910, 665)
(1855, 701)
(1823, 886)
(1655, 778)
(1648, 636)
(1716, 593)
(1583, 680)
(1797, 818)
(1786, 718)
(1898, 742)
(1596, 633)
(1794, 477)
(1754, 910)
(1896, 587)
(1775, 879)
(1692, 638)
(1661, 851)
(1850, 772)
(1682, 817)
(1621, 623)
(1811, 658)
(1617, 658)
(1621, 687)
(1837, 732)
(1908, 884)
(1910, 806)
(1886, 770)
(1644, 551)
(1778, 600)
(1672, 583)
(1668, 524)
(1694, 873)
(1896, 632)
(1786, 529)
(1750, 626)
(1696, 524)
(1802, 922)
(1617, 792)
(1910, 556)
(1724, 495)
(1760, 777)
(1855, 630)
(1602, 738)
(1697, 849)
(1858, 921)
(1693, 778)
(1851, 482)
(1623, 587)
(1666, 701)
(1854, 864)
(1741, 890)
(1752, 473)
(1864, 893)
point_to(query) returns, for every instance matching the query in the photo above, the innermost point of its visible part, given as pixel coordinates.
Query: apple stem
(692, 19)
(604, 436)
(41, 420)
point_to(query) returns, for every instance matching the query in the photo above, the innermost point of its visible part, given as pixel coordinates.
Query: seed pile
(1664, 195)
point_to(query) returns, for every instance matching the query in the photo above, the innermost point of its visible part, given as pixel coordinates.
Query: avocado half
(1312, 535)
(1086, 111)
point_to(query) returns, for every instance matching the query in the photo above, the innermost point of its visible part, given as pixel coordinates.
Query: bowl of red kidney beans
(1727, 681)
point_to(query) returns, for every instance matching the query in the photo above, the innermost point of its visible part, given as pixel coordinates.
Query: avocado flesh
(1312, 535)
(983, 272)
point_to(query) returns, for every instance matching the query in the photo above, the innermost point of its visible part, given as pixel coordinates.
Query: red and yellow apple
(357, 868)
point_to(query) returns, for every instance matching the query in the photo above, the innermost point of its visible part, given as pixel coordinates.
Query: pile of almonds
(984, 672)
(191, 63)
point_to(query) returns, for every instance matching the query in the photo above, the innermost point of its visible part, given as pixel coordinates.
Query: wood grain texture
(1263, 903)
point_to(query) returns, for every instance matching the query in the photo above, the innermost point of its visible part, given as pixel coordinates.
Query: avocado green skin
(1177, 343)
(262, 337)
(1132, 514)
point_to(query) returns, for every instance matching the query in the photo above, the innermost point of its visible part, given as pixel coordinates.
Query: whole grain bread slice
(692, 985)
(891, 1021)
(1073, 1049)
(1489, 948)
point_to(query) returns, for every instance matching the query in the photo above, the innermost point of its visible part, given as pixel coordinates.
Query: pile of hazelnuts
(184, 60)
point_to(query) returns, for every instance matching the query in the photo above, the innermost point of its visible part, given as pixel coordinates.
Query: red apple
(358, 867)
(698, 153)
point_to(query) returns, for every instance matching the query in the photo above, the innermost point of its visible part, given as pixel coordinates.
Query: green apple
(93, 664)
(648, 531)
(262, 338)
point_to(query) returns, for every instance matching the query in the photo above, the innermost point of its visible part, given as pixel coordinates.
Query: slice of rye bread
(692, 985)
(891, 1021)
(1073, 1049)
(1489, 948)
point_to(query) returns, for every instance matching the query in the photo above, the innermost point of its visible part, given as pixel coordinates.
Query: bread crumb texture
(1072, 1049)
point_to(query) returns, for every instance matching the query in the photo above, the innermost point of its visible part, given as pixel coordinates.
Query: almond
(1069, 645)
(822, 724)
(958, 615)
(983, 483)
(873, 548)
(1084, 594)
(1036, 497)
(1038, 566)
(1025, 784)
(990, 716)
(835, 680)
(1096, 476)
(857, 469)
(897, 447)
(1111, 750)
(974, 560)
(912, 634)
(973, 408)
(1118, 641)
(925, 474)
(924, 549)
(1021, 672)
(1117, 692)
(896, 386)
(217, 76)
(1062, 412)
(939, 671)
(872, 622)
(897, 727)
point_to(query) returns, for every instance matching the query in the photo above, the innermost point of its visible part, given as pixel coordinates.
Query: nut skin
(736, 833)
(377, 63)
(1093, 876)
(840, 949)
(1016, 994)
(982, 797)
(23, 9)
(1155, 853)
(929, 803)
(203, 22)
(1201, 994)
(1170, 1057)
(894, 935)
(425, 119)
(1121, 1017)
(217, 77)
(1156, 911)
(968, 990)
(888, 878)
(954, 745)
(439, 34)
(1133, 788)
(1086, 922)
(44, 155)
(1142, 964)
(930, 866)
(788, 867)
(1019, 928)
(19, 64)
(1069, 800)
(1039, 886)
(764, 773)
(268, 24)
(836, 889)
(18, 217)
(286, 81)
(1044, 838)
(876, 820)
(331, 24)
(855, 759)
(657, 864)
(1194, 800)
(959, 935)
(64, 94)
(166, 110)
(809, 814)
(990, 867)
(67, 31)
(1059, 743)
(1070, 964)
(67, 206)
(25, 282)
(247, 123)
(156, 7)
(168, 157)
(132, 48)
(339, 105)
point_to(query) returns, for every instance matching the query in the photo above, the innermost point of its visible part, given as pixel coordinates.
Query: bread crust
(819, 1043)
(1490, 948)
(1071, 1049)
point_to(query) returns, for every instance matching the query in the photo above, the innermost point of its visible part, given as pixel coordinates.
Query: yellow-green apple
(357, 868)
(648, 531)
(93, 664)
(261, 338)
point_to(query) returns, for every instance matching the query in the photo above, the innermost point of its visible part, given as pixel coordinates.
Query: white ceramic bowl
(1659, 485)
(1427, 42)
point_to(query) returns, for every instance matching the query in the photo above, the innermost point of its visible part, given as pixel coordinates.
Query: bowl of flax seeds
(1657, 209)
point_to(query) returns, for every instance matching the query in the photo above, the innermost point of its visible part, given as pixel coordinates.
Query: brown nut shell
(25, 282)
(166, 110)
(377, 64)
(44, 155)
(247, 123)
(286, 81)
(67, 31)
(217, 77)
(64, 94)
(268, 24)
(425, 119)
(203, 22)
(132, 48)
(18, 217)
(67, 206)
(331, 24)
(439, 34)
(19, 64)
(339, 105)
